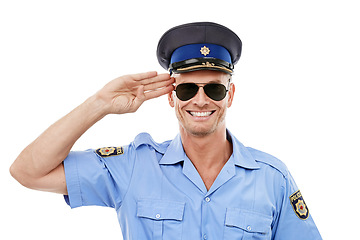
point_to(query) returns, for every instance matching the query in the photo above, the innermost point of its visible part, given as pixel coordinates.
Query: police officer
(204, 184)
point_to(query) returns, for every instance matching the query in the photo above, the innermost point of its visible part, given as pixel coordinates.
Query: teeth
(200, 114)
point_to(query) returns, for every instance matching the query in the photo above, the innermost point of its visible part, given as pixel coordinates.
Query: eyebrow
(216, 81)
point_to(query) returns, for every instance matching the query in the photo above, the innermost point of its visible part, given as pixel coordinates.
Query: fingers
(142, 96)
(128, 92)
(152, 79)
(159, 92)
(148, 77)
(142, 76)
(155, 85)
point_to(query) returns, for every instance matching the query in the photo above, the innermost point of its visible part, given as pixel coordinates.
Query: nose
(201, 99)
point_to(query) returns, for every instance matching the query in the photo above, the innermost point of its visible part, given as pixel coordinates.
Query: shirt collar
(175, 152)
(146, 139)
(242, 157)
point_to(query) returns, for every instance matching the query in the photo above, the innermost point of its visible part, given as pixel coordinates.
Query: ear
(171, 99)
(231, 95)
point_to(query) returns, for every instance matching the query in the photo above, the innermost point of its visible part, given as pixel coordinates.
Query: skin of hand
(126, 94)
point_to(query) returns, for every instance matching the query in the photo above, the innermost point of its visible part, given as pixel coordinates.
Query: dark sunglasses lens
(186, 91)
(215, 91)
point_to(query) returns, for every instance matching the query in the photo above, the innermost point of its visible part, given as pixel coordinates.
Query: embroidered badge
(205, 50)
(299, 205)
(109, 151)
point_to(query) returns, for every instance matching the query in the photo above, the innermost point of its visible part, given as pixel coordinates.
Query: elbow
(22, 169)
(14, 171)
(18, 173)
(53, 182)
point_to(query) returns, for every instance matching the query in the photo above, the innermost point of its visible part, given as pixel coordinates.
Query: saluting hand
(126, 94)
(44, 170)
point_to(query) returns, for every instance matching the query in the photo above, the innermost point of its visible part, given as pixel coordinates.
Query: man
(204, 184)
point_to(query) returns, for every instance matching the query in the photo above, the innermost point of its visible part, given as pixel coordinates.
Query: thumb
(140, 97)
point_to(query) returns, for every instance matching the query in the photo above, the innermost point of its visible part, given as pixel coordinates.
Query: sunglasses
(215, 91)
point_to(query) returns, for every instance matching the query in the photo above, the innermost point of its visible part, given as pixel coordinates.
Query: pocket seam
(160, 209)
(248, 221)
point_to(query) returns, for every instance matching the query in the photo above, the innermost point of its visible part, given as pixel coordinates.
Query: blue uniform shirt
(158, 194)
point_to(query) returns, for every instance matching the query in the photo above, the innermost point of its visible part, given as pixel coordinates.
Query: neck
(207, 151)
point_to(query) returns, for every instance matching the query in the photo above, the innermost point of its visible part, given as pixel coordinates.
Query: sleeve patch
(299, 206)
(109, 151)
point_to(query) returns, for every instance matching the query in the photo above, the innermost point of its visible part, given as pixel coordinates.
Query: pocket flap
(248, 221)
(160, 209)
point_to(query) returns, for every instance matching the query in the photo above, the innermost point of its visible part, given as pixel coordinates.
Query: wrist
(97, 107)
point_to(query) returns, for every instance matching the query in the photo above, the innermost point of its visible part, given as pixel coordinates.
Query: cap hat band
(200, 50)
(201, 63)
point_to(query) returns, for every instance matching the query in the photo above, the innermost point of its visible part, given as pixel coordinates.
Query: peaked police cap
(199, 46)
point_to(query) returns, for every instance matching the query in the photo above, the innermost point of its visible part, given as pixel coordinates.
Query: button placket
(205, 203)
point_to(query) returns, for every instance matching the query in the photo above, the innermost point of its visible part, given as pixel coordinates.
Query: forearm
(51, 147)
(39, 165)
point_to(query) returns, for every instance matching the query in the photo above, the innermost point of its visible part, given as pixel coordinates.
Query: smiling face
(200, 115)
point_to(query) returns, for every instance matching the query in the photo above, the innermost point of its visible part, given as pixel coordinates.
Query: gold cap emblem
(205, 50)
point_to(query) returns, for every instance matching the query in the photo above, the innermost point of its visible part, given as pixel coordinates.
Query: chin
(199, 131)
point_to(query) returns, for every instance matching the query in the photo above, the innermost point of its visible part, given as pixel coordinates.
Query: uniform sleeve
(294, 221)
(95, 180)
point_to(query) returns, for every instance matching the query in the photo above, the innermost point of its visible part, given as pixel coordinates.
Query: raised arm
(39, 166)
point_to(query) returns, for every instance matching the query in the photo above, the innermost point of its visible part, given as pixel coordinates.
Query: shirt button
(248, 228)
(205, 236)
(157, 215)
(207, 199)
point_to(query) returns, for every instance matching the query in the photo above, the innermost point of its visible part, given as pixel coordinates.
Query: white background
(297, 96)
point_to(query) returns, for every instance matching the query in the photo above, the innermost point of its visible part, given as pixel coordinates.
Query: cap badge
(299, 206)
(207, 64)
(205, 50)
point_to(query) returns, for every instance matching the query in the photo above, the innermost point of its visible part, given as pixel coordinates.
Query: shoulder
(145, 140)
(266, 159)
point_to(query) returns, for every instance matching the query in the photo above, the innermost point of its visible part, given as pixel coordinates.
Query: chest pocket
(161, 219)
(246, 225)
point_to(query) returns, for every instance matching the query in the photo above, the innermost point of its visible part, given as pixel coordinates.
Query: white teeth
(200, 114)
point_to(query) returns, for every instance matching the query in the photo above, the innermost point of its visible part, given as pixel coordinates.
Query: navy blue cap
(199, 46)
